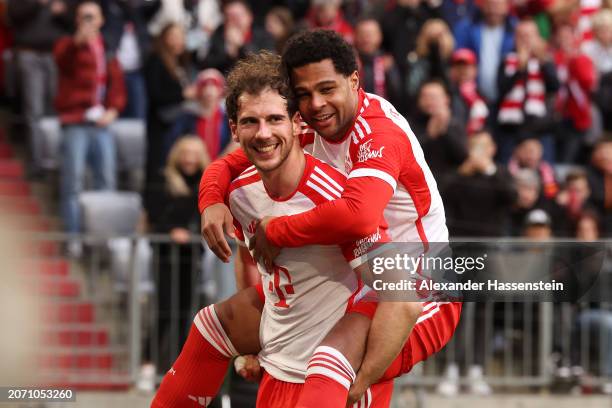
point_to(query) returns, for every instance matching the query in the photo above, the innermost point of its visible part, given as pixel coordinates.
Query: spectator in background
(208, 120)
(179, 217)
(574, 197)
(528, 155)
(529, 188)
(442, 137)
(236, 37)
(594, 319)
(576, 76)
(600, 183)
(527, 79)
(127, 36)
(91, 94)
(401, 24)
(454, 11)
(600, 49)
(480, 194)
(168, 12)
(280, 25)
(36, 26)
(326, 14)
(429, 61)
(537, 225)
(168, 74)
(587, 9)
(377, 72)
(477, 199)
(587, 227)
(527, 185)
(490, 34)
(206, 18)
(466, 103)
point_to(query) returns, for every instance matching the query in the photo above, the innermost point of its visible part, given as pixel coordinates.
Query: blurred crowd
(510, 99)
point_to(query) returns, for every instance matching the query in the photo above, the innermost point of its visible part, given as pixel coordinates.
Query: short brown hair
(254, 74)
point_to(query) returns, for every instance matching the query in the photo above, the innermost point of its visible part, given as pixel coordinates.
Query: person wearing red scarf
(526, 80)
(528, 154)
(467, 103)
(577, 78)
(377, 72)
(207, 119)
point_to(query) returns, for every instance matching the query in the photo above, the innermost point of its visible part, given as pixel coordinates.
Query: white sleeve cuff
(379, 174)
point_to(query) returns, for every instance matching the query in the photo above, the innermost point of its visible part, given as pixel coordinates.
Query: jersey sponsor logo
(281, 285)
(348, 164)
(366, 153)
(364, 244)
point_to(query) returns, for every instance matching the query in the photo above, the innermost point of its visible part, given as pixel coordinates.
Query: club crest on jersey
(253, 227)
(365, 152)
(348, 164)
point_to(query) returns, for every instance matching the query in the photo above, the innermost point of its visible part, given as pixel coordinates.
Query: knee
(349, 337)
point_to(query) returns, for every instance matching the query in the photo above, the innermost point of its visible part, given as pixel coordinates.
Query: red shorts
(434, 329)
(274, 393)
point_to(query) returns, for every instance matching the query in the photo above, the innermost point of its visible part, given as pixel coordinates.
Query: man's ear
(354, 80)
(233, 127)
(296, 121)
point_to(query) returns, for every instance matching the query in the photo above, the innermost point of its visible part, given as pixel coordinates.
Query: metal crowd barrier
(134, 298)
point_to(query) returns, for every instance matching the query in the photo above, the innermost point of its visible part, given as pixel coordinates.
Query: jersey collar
(308, 168)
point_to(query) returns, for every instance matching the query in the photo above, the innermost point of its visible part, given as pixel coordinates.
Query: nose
(264, 130)
(317, 101)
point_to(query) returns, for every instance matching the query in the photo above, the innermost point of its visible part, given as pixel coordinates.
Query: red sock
(328, 379)
(198, 372)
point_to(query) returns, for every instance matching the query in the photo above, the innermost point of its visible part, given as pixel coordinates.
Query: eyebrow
(270, 116)
(246, 118)
(318, 84)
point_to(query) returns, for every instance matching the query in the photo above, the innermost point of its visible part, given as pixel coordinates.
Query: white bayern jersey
(309, 288)
(381, 144)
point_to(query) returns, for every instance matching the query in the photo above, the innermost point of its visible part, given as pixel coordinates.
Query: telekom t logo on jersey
(281, 285)
(280, 281)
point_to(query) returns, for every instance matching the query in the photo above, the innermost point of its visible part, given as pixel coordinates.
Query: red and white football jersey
(309, 288)
(381, 144)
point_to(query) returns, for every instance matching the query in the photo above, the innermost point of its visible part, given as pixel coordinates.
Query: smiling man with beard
(305, 292)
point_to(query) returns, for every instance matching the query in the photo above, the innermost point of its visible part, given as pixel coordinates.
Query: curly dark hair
(313, 46)
(252, 75)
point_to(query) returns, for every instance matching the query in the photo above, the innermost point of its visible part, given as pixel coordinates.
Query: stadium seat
(129, 135)
(110, 213)
(52, 137)
(114, 214)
